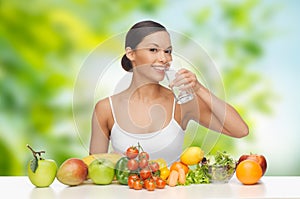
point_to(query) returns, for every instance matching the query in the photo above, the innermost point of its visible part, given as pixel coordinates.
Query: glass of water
(181, 96)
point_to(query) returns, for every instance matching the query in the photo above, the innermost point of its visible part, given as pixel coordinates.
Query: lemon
(192, 155)
(161, 162)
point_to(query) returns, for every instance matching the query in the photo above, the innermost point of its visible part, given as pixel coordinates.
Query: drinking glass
(181, 96)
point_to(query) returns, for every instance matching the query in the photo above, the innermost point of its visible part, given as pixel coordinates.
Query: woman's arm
(220, 116)
(212, 112)
(100, 129)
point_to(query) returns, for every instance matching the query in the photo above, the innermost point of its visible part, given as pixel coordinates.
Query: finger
(185, 78)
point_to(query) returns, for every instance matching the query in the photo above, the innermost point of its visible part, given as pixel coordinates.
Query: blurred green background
(43, 45)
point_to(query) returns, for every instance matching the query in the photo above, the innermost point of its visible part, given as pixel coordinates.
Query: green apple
(101, 171)
(41, 172)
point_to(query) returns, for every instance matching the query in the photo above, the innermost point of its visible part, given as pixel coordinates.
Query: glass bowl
(220, 173)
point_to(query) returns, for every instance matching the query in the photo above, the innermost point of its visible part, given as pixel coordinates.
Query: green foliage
(240, 44)
(42, 47)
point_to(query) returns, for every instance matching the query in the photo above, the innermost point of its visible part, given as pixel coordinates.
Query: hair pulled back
(135, 35)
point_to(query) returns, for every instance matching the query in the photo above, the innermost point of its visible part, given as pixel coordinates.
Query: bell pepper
(122, 171)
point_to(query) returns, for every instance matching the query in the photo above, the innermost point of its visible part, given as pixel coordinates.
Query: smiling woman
(146, 112)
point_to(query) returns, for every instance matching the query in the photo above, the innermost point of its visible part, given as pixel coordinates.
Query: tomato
(132, 152)
(160, 183)
(143, 155)
(132, 164)
(146, 181)
(137, 185)
(131, 179)
(143, 163)
(154, 166)
(130, 183)
(145, 173)
(150, 185)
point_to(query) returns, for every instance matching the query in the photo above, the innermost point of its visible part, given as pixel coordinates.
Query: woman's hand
(186, 80)
(216, 114)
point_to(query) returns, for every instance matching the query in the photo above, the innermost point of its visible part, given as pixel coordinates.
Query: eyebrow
(158, 45)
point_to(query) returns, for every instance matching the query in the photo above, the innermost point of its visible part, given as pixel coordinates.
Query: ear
(129, 54)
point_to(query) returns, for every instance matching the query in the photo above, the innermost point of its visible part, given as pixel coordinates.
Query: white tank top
(166, 143)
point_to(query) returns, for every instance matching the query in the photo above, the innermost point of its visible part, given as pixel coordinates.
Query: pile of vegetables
(208, 169)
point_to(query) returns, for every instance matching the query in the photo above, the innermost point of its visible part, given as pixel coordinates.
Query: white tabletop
(268, 187)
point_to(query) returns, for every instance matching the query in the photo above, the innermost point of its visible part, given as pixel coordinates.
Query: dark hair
(136, 34)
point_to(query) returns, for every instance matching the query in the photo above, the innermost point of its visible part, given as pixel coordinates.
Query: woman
(146, 112)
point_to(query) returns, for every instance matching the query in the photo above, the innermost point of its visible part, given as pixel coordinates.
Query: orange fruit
(177, 165)
(248, 172)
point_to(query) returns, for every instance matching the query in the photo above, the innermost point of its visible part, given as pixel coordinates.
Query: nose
(162, 57)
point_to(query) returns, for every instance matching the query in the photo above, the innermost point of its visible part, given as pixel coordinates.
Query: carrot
(181, 176)
(173, 178)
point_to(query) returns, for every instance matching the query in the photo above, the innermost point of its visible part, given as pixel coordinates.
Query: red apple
(72, 171)
(260, 159)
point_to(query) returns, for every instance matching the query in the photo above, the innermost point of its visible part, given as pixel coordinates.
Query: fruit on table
(114, 157)
(122, 171)
(41, 172)
(132, 152)
(72, 171)
(160, 183)
(138, 171)
(179, 165)
(248, 172)
(132, 164)
(164, 173)
(150, 184)
(154, 166)
(260, 159)
(161, 162)
(131, 179)
(101, 171)
(192, 155)
(143, 155)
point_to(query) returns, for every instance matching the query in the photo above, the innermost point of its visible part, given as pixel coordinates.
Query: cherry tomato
(132, 164)
(145, 173)
(132, 152)
(146, 181)
(131, 180)
(143, 155)
(137, 185)
(150, 185)
(154, 166)
(160, 183)
(143, 163)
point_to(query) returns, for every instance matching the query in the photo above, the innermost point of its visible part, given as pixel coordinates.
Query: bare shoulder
(102, 105)
(103, 113)
(102, 109)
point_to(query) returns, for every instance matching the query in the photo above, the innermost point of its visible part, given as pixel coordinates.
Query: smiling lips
(159, 68)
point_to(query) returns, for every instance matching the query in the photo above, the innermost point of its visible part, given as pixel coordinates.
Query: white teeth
(159, 68)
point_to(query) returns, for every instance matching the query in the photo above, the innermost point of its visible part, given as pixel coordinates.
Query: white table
(268, 187)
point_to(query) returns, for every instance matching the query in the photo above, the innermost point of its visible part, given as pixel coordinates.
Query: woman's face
(152, 55)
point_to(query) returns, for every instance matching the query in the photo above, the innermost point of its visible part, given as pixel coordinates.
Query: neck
(144, 91)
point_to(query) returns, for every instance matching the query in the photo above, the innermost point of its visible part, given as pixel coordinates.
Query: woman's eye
(153, 49)
(168, 51)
